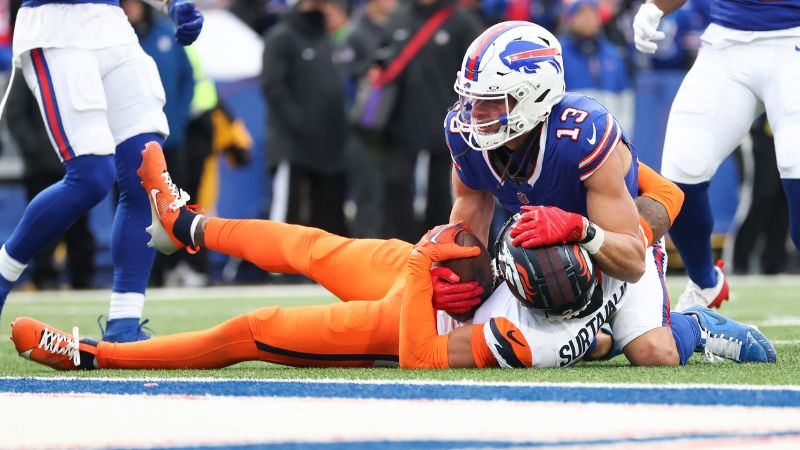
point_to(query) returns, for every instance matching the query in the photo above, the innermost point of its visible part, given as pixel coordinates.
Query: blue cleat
(727, 338)
(123, 330)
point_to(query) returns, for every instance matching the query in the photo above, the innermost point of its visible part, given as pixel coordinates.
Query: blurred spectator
(43, 168)
(541, 12)
(257, 14)
(306, 121)
(156, 36)
(336, 18)
(425, 92)
(592, 65)
(366, 159)
(767, 222)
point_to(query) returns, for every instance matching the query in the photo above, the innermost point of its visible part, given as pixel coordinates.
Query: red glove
(547, 225)
(451, 296)
(439, 243)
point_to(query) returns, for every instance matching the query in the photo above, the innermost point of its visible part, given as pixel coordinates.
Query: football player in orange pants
(385, 285)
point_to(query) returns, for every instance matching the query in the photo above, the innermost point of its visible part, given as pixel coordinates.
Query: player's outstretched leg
(52, 347)
(331, 260)
(228, 343)
(727, 338)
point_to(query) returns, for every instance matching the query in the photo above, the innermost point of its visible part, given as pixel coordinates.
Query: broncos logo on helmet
(525, 56)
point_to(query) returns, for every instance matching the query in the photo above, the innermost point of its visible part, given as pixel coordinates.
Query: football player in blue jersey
(748, 64)
(562, 158)
(101, 99)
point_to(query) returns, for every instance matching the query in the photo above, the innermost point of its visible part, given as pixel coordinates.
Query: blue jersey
(756, 15)
(550, 167)
(33, 3)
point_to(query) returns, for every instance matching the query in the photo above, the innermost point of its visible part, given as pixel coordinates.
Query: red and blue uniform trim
(660, 257)
(473, 63)
(595, 159)
(50, 105)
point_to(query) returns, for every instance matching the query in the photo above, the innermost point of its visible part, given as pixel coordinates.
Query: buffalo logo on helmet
(526, 56)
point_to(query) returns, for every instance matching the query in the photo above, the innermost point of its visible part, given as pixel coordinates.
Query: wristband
(594, 239)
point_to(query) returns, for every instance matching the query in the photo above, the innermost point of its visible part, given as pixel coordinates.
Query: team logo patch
(526, 56)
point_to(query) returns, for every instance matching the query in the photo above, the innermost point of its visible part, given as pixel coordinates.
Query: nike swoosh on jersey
(592, 139)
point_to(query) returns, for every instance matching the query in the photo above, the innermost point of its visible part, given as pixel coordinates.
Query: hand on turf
(439, 243)
(452, 296)
(547, 225)
(645, 28)
(187, 19)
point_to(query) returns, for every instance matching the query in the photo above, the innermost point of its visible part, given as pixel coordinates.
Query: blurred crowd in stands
(324, 169)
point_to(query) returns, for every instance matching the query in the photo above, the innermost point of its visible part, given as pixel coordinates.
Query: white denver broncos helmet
(519, 60)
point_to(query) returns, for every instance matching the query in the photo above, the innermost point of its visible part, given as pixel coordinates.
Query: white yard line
(621, 386)
(208, 420)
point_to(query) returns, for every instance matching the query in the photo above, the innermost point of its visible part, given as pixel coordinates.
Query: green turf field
(773, 305)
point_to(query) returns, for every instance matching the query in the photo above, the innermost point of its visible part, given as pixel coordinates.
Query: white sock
(193, 228)
(10, 268)
(126, 305)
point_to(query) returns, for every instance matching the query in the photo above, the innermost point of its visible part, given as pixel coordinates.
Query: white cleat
(711, 297)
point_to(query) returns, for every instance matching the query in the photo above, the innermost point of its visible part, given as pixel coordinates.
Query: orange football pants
(359, 333)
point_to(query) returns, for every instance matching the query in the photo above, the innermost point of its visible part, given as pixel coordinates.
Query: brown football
(477, 268)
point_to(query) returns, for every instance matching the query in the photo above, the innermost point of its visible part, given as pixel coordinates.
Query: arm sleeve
(421, 347)
(507, 344)
(275, 80)
(660, 189)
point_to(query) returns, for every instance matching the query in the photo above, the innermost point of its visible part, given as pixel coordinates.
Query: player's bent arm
(421, 347)
(659, 203)
(475, 208)
(610, 206)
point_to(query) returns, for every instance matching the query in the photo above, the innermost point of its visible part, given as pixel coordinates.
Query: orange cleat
(167, 201)
(52, 347)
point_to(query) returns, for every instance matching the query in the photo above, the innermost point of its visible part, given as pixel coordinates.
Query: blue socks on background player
(686, 332)
(87, 181)
(792, 189)
(129, 252)
(691, 234)
(132, 259)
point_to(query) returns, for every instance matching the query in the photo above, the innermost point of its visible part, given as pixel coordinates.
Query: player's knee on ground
(654, 348)
(92, 174)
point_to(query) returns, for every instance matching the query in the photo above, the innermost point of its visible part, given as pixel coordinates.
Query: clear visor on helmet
(483, 118)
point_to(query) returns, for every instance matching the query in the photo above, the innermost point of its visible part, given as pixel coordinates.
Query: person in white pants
(749, 63)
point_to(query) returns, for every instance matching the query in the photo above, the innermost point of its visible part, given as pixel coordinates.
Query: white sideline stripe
(179, 294)
(785, 321)
(204, 420)
(733, 387)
